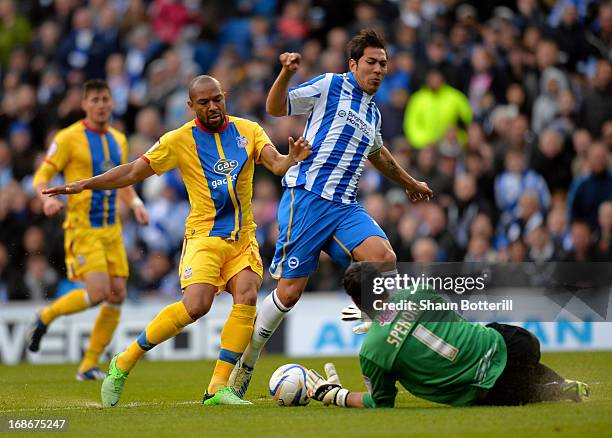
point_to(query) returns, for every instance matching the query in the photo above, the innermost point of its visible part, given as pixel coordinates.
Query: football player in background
(95, 254)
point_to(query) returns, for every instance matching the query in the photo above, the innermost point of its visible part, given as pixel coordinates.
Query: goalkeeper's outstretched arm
(329, 390)
(116, 178)
(355, 400)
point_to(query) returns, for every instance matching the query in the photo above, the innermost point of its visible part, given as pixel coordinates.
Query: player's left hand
(67, 189)
(352, 313)
(419, 192)
(299, 149)
(141, 215)
(329, 390)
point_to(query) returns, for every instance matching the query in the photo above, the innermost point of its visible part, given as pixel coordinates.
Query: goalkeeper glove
(351, 314)
(329, 391)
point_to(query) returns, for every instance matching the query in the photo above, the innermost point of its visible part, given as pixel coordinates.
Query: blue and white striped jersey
(343, 128)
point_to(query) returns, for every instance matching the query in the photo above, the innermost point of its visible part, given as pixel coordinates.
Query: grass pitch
(163, 399)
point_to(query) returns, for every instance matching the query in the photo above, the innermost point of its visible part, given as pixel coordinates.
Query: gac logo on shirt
(217, 183)
(225, 166)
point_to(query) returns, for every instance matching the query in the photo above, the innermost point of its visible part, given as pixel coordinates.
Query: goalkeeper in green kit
(438, 356)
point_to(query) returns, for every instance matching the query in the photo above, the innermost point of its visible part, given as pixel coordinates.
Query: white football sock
(269, 316)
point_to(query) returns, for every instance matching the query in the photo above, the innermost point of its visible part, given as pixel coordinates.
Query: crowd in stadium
(503, 108)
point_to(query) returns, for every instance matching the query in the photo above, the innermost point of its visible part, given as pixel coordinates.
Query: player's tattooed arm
(116, 178)
(276, 103)
(278, 163)
(386, 164)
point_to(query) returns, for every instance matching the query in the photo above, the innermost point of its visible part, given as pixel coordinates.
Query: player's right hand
(66, 189)
(290, 61)
(329, 390)
(52, 207)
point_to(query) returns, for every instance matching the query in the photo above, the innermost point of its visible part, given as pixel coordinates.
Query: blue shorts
(308, 223)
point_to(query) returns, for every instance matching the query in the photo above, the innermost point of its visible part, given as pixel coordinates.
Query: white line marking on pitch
(89, 405)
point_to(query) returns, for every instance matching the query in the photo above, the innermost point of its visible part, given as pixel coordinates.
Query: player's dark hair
(95, 85)
(359, 282)
(365, 38)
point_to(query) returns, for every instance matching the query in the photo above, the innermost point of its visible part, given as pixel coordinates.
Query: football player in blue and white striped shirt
(319, 210)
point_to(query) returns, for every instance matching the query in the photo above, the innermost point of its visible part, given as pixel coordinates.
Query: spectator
(516, 180)
(424, 250)
(407, 229)
(165, 231)
(479, 251)
(529, 217)
(566, 119)
(83, 50)
(427, 170)
(436, 58)
(292, 25)
(603, 235)
(583, 249)
(552, 160)
(465, 208)
(148, 130)
(517, 253)
(590, 191)
(601, 37)
(168, 19)
(6, 170)
(435, 226)
(20, 139)
(541, 247)
(474, 164)
(529, 14)
(14, 30)
(581, 140)
(556, 223)
(516, 135)
(546, 107)
(156, 276)
(433, 110)
(40, 280)
(134, 15)
(119, 82)
(570, 34)
(597, 102)
(485, 78)
(45, 45)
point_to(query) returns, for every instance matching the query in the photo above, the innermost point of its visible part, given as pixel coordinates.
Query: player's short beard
(213, 127)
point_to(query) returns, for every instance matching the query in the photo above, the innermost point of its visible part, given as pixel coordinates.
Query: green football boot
(112, 387)
(224, 396)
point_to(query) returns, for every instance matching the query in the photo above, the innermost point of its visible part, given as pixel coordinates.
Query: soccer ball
(288, 385)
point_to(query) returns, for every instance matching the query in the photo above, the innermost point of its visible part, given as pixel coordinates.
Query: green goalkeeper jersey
(434, 354)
